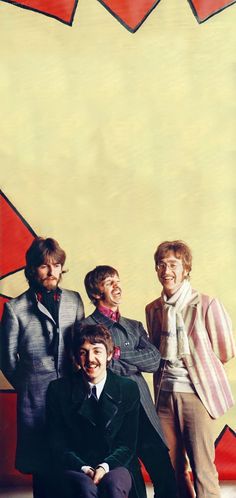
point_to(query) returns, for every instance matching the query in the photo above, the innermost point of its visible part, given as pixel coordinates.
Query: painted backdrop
(113, 141)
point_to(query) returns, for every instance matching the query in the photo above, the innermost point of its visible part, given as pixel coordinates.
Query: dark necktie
(94, 393)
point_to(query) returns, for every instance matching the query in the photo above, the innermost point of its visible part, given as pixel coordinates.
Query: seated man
(92, 421)
(133, 355)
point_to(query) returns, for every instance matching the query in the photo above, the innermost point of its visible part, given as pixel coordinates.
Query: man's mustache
(49, 277)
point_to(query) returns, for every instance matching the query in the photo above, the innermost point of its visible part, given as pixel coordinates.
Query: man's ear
(186, 273)
(109, 357)
(96, 296)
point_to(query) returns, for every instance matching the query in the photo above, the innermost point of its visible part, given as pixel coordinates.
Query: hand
(90, 473)
(98, 475)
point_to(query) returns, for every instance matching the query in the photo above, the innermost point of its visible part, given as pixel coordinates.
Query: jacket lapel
(190, 313)
(45, 311)
(80, 402)
(100, 318)
(109, 401)
(156, 320)
(125, 325)
(40, 307)
(104, 320)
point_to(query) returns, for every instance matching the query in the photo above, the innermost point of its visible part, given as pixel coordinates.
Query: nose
(50, 269)
(90, 356)
(166, 270)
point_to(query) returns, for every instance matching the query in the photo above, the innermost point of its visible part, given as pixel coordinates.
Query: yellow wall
(112, 142)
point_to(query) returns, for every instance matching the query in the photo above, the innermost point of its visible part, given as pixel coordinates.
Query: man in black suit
(92, 420)
(133, 355)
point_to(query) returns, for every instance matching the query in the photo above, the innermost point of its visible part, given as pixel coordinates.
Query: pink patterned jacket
(211, 344)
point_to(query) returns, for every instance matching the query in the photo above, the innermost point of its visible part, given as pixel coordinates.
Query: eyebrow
(170, 260)
(95, 347)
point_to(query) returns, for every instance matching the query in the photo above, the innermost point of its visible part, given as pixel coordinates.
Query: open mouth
(116, 293)
(91, 368)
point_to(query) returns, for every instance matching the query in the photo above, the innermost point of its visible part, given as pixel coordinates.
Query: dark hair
(95, 277)
(180, 249)
(40, 251)
(94, 334)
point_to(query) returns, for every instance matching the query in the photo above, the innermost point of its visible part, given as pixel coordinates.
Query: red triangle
(225, 459)
(131, 13)
(15, 238)
(63, 10)
(207, 8)
(226, 454)
(3, 300)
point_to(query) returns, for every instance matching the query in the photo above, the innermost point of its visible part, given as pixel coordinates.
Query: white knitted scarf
(174, 340)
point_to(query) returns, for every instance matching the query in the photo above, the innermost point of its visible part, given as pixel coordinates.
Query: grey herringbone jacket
(27, 329)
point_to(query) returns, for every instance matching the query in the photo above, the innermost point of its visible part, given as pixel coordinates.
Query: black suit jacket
(137, 355)
(79, 436)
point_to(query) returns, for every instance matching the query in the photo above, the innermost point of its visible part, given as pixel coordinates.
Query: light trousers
(188, 429)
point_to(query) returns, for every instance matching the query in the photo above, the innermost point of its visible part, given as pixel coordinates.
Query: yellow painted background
(112, 142)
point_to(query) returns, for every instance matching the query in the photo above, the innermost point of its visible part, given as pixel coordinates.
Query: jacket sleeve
(219, 328)
(144, 358)
(9, 338)
(125, 442)
(148, 321)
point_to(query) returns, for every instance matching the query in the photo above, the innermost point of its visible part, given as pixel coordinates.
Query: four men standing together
(95, 438)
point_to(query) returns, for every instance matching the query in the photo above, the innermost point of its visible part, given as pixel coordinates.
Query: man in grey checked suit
(133, 355)
(35, 329)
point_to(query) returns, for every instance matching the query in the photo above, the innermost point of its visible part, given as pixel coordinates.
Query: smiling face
(110, 292)
(93, 360)
(48, 274)
(171, 273)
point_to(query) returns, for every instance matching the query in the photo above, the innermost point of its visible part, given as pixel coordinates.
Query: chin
(51, 286)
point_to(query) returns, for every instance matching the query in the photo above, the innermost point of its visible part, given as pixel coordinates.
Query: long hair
(41, 251)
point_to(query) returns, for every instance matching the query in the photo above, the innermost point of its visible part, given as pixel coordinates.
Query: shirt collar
(99, 386)
(113, 315)
(42, 294)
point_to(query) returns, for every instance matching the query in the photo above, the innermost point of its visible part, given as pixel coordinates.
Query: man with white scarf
(194, 336)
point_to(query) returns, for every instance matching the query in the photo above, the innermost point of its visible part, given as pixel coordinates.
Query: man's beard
(50, 283)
